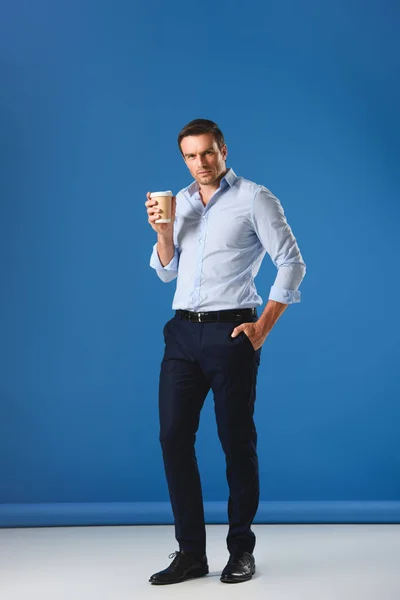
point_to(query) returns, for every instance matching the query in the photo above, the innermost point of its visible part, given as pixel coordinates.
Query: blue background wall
(92, 97)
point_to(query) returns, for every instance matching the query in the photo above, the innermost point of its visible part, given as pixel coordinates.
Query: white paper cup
(164, 201)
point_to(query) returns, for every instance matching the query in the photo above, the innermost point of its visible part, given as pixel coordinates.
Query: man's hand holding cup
(161, 210)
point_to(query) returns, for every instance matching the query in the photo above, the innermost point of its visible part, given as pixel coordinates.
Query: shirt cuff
(284, 296)
(155, 262)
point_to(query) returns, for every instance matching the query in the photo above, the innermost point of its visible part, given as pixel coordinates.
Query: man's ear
(224, 152)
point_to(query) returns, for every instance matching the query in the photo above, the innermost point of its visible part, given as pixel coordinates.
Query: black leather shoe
(184, 566)
(240, 567)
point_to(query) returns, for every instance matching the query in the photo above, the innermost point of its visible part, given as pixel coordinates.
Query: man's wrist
(165, 240)
(165, 249)
(271, 313)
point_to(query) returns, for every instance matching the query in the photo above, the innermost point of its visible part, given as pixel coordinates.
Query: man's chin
(206, 178)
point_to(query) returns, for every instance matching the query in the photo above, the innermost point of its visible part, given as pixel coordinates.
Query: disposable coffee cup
(164, 201)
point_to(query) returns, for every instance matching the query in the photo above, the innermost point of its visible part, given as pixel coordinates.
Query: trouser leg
(233, 381)
(182, 391)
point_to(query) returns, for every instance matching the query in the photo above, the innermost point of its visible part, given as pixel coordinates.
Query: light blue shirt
(219, 248)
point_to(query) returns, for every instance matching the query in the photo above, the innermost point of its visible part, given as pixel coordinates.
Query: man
(222, 226)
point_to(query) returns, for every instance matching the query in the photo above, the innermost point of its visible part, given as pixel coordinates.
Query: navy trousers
(199, 357)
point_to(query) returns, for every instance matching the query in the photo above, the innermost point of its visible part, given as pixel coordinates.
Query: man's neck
(207, 191)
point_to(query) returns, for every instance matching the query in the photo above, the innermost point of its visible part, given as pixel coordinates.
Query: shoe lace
(175, 555)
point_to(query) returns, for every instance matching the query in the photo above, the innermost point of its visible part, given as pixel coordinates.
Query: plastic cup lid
(167, 193)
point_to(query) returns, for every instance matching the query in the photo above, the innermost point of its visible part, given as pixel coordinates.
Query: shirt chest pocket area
(232, 232)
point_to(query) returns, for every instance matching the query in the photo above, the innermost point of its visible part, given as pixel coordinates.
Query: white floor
(294, 562)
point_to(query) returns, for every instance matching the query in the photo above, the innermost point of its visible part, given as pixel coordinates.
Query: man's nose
(202, 163)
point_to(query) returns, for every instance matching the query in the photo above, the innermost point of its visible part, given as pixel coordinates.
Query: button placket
(199, 262)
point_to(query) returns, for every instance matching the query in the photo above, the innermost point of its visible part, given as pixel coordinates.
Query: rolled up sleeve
(168, 272)
(277, 238)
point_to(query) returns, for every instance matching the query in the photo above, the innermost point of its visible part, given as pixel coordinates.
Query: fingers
(242, 327)
(150, 202)
(237, 330)
(153, 212)
(153, 218)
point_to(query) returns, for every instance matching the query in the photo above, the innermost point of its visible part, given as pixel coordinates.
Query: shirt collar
(229, 178)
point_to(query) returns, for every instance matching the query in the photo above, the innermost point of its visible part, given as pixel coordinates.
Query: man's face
(203, 158)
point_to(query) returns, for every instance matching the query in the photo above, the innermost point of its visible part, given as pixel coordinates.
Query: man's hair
(200, 126)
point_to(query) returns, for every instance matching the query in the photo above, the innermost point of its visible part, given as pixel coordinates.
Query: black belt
(230, 316)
